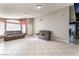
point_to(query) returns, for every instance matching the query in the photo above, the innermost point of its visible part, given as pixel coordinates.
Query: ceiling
(17, 10)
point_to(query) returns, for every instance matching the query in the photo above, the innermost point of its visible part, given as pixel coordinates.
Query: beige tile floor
(31, 46)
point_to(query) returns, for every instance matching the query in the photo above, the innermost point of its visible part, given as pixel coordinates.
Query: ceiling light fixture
(39, 6)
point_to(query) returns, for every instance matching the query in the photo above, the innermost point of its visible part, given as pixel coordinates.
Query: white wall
(29, 26)
(57, 22)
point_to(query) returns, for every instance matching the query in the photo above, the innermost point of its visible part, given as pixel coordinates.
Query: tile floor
(31, 46)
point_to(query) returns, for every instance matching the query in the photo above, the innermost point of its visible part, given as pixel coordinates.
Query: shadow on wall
(55, 38)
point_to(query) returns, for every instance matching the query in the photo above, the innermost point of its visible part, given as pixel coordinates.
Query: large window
(2, 28)
(13, 21)
(13, 25)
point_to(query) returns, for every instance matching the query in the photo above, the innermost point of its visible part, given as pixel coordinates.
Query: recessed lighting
(39, 6)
